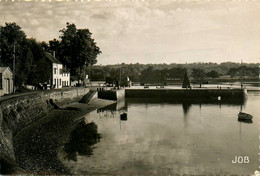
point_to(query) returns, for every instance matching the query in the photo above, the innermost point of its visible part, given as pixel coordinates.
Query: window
(55, 70)
(60, 71)
(1, 81)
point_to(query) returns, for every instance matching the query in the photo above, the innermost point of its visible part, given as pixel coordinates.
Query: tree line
(75, 49)
(160, 73)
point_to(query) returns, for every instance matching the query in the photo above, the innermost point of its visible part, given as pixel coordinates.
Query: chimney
(53, 53)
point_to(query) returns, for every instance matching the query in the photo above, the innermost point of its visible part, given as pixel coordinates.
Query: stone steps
(86, 98)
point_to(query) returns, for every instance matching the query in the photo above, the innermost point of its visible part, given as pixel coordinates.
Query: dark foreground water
(173, 138)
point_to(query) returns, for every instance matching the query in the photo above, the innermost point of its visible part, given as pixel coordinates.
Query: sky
(149, 31)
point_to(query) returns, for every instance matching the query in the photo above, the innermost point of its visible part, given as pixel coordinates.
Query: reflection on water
(200, 101)
(169, 137)
(118, 106)
(111, 110)
(245, 121)
(186, 107)
(81, 140)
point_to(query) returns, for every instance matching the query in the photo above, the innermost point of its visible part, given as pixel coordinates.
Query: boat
(123, 116)
(245, 121)
(244, 116)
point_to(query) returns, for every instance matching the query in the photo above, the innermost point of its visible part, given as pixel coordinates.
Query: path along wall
(16, 113)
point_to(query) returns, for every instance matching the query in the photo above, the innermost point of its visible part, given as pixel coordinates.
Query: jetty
(168, 93)
(176, 94)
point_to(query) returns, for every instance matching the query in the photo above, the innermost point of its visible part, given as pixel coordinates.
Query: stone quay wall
(225, 94)
(112, 94)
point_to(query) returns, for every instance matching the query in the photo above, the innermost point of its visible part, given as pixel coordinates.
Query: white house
(6, 80)
(59, 77)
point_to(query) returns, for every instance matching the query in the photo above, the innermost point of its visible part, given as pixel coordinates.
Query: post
(89, 77)
(120, 76)
(14, 70)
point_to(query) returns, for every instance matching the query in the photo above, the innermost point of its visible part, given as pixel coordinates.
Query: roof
(2, 69)
(51, 58)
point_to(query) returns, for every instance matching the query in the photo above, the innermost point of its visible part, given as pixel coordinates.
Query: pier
(174, 94)
(218, 94)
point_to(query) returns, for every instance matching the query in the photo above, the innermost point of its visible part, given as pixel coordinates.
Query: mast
(186, 81)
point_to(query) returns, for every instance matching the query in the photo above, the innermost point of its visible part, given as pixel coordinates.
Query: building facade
(6, 81)
(59, 77)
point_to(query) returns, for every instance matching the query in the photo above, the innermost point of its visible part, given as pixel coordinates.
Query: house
(6, 80)
(59, 77)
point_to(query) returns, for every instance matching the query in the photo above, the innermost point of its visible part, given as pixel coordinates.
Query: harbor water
(164, 137)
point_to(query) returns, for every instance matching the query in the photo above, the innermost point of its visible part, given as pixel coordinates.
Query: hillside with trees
(161, 73)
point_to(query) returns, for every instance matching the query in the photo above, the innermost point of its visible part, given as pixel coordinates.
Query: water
(168, 138)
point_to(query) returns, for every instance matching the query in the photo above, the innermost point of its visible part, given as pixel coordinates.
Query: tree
(13, 43)
(11, 35)
(76, 50)
(97, 74)
(45, 46)
(148, 75)
(243, 71)
(198, 74)
(31, 66)
(177, 72)
(213, 74)
(161, 75)
(40, 71)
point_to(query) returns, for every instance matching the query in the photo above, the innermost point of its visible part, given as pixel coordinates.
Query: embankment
(112, 94)
(18, 112)
(225, 94)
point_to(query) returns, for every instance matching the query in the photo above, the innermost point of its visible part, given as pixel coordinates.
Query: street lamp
(120, 76)
(14, 70)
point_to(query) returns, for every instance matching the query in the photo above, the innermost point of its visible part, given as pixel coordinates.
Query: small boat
(244, 116)
(245, 121)
(123, 116)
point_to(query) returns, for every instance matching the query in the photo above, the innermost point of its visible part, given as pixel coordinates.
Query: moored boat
(244, 116)
(245, 121)
(123, 116)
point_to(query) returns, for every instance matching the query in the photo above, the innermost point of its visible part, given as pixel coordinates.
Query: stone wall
(18, 112)
(225, 94)
(112, 94)
(120, 94)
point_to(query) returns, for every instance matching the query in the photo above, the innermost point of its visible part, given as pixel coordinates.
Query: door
(8, 89)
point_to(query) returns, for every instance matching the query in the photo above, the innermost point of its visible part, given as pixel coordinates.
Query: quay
(173, 93)
(165, 93)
